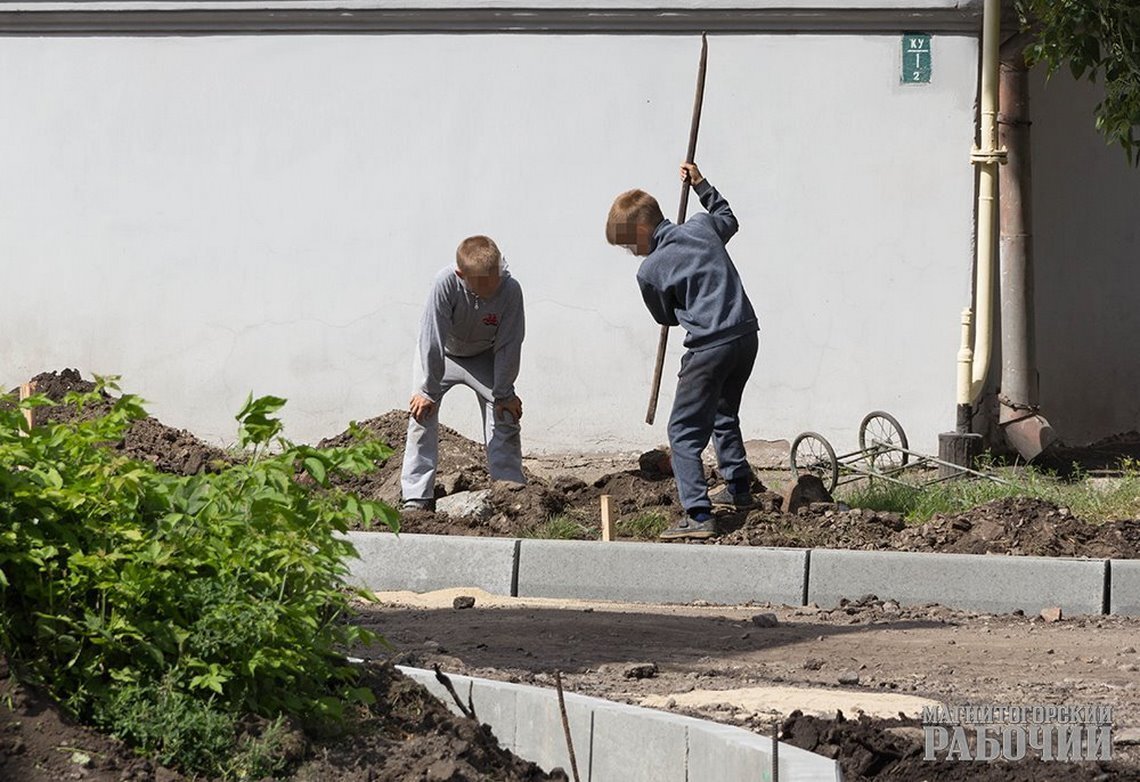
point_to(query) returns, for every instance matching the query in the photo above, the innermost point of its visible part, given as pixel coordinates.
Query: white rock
(474, 504)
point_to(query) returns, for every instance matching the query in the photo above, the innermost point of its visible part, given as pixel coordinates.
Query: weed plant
(1094, 500)
(164, 608)
(563, 526)
(647, 526)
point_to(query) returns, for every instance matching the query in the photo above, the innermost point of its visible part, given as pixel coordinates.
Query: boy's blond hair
(632, 208)
(478, 256)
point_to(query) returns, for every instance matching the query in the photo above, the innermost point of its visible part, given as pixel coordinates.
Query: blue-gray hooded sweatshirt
(688, 279)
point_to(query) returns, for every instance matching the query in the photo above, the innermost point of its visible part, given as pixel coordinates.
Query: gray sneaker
(726, 499)
(687, 527)
(410, 505)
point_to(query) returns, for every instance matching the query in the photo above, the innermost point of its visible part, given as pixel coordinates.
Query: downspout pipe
(1025, 429)
(977, 347)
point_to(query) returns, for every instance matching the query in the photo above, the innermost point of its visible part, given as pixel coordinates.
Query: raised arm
(719, 214)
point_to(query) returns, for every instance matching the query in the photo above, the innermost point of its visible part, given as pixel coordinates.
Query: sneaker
(410, 505)
(687, 527)
(726, 499)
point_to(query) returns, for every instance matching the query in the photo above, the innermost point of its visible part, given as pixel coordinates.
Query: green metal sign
(916, 58)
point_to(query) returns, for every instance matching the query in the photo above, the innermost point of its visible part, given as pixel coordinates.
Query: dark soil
(170, 450)
(873, 749)
(1017, 526)
(410, 735)
(1020, 526)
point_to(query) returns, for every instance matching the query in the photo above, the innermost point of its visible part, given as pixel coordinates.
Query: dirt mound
(409, 735)
(1026, 526)
(507, 508)
(817, 526)
(870, 749)
(170, 450)
(462, 462)
(1018, 526)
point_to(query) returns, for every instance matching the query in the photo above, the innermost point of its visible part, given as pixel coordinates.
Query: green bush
(164, 608)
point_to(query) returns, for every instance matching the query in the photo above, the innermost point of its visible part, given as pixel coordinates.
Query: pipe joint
(984, 157)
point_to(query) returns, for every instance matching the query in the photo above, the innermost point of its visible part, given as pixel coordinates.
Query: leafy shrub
(162, 607)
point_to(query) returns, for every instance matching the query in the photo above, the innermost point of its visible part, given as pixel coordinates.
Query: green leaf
(316, 468)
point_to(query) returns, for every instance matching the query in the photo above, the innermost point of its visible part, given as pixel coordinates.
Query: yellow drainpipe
(974, 364)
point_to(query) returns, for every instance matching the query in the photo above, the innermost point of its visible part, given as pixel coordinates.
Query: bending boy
(471, 334)
(688, 279)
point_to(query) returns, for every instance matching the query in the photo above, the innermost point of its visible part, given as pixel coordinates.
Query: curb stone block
(1125, 586)
(422, 563)
(633, 743)
(496, 705)
(972, 582)
(658, 572)
(539, 735)
(462, 685)
(718, 752)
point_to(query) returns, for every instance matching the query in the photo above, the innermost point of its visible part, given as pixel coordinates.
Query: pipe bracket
(1007, 402)
(980, 157)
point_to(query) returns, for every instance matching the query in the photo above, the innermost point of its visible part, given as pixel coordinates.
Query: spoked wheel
(813, 455)
(880, 435)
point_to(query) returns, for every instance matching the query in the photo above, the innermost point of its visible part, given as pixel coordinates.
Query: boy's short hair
(631, 208)
(478, 256)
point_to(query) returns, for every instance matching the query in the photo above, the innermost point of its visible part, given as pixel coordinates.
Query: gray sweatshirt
(456, 322)
(688, 279)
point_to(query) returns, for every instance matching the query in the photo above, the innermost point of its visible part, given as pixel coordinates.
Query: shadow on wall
(1086, 224)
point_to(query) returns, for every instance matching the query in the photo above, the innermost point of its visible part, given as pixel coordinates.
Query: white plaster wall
(210, 216)
(1086, 211)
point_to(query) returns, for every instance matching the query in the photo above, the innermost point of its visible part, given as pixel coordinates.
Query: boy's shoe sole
(411, 505)
(687, 529)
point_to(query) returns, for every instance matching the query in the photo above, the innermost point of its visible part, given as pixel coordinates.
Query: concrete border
(616, 742)
(663, 573)
(671, 573)
(974, 582)
(1124, 587)
(422, 563)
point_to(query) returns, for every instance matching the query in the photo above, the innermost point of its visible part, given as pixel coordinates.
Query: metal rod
(924, 459)
(694, 127)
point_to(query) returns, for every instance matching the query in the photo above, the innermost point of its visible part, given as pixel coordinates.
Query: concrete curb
(423, 563)
(672, 574)
(615, 742)
(660, 573)
(1124, 587)
(974, 582)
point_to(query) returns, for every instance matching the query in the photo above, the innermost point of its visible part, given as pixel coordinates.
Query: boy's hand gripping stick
(663, 340)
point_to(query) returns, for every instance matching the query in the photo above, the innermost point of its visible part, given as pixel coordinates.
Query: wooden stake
(607, 519)
(26, 390)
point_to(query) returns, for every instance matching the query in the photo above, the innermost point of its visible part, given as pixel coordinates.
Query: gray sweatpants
(501, 437)
(707, 404)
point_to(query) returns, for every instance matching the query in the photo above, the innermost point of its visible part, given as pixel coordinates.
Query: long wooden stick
(663, 340)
